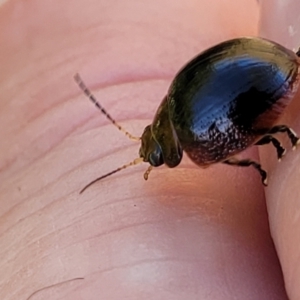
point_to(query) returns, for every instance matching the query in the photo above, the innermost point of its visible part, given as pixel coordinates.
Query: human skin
(280, 21)
(186, 233)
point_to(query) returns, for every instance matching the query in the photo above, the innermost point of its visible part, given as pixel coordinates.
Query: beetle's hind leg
(270, 139)
(247, 163)
(290, 132)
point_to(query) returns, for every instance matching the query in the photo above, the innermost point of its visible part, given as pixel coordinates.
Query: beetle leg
(247, 163)
(290, 132)
(269, 139)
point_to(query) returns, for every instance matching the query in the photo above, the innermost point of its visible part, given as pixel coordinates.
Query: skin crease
(187, 233)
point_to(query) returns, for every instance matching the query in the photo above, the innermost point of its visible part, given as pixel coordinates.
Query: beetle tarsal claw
(282, 155)
(265, 182)
(296, 144)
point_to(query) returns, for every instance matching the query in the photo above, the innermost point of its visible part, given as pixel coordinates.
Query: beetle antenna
(88, 93)
(146, 174)
(133, 163)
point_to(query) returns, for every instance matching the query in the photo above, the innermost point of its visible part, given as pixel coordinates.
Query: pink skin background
(186, 233)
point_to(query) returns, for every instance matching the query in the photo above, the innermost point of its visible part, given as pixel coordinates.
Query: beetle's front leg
(247, 163)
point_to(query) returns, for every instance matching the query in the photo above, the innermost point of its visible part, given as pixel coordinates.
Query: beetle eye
(155, 158)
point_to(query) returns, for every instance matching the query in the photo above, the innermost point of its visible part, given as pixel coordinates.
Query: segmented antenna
(98, 105)
(133, 163)
(139, 160)
(146, 174)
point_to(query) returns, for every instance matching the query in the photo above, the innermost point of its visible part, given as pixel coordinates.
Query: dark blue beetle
(226, 99)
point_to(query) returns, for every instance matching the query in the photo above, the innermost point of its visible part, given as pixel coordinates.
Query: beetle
(223, 101)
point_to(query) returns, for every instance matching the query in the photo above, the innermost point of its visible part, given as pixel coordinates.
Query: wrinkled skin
(187, 233)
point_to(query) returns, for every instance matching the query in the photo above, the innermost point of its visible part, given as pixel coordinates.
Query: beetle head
(150, 150)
